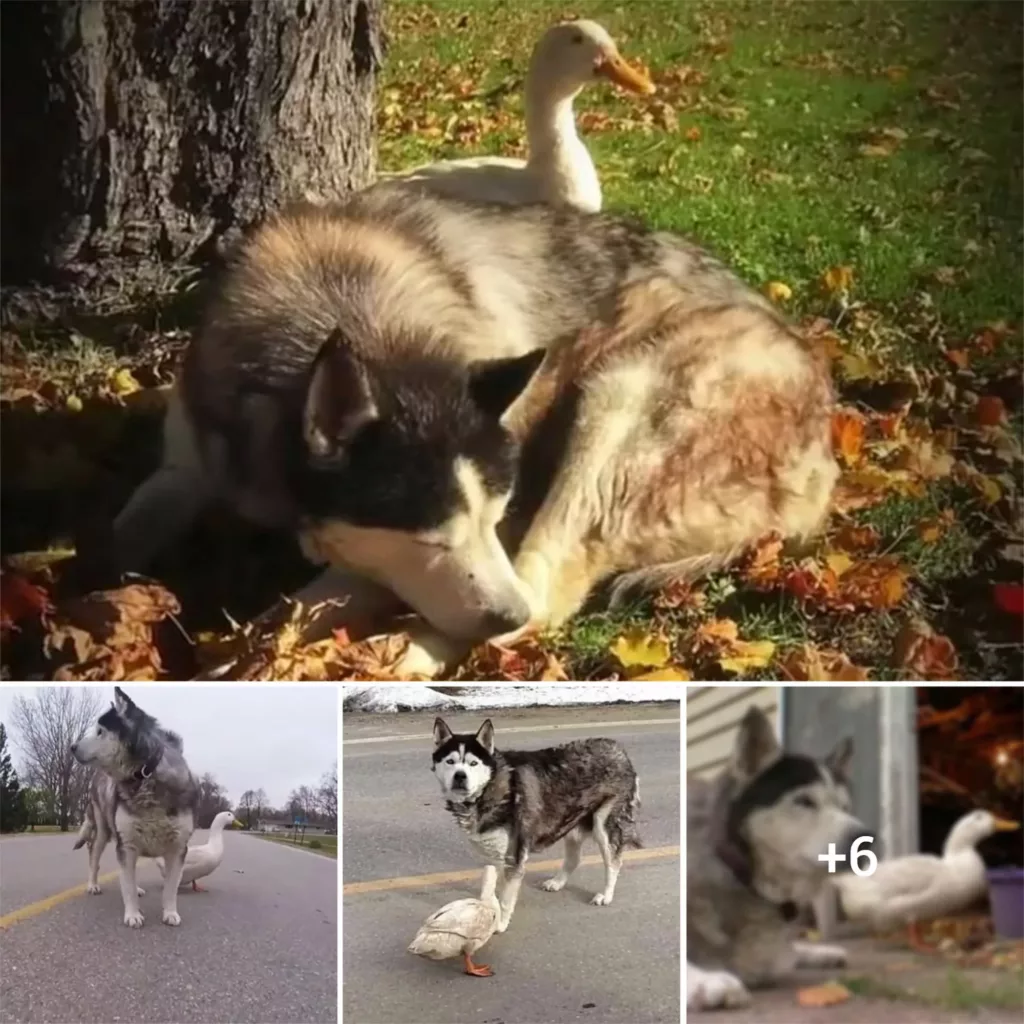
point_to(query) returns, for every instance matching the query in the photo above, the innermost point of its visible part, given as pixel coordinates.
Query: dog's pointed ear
(442, 734)
(122, 702)
(838, 762)
(495, 384)
(339, 399)
(756, 745)
(485, 736)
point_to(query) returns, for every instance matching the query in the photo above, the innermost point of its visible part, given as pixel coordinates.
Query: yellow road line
(40, 906)
(416, 881)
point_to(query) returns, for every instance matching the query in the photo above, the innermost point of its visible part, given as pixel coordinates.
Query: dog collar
(740, 867)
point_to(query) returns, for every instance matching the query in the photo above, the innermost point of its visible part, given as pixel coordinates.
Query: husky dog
(142, 795)
(513, 802)
(484, 412)
(753, 842)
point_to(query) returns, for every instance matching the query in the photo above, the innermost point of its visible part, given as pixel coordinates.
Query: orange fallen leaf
(990, 411)
(838, 279)
(692, 134)
(829, 994)
(925, 653)
(820, 664)
(853, 538)
(959, 357)
(876, 583)
(848, 436)
(20, 599)
(717, 632)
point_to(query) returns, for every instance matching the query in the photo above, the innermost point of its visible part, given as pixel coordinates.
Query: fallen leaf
(763, 565)
(923, 652)
(637, 647)
(838, 562)
(989, 489)
(876, 583)
(1009, 597)
(820, 664)
(830, 994)
(859, 367)
(123, 383)
(20, 599)
(837, 279)
(692, 134)
(858, 539)
(73, 403)
(668, 673)
(777, 291)
(746, 655)
(932, 530)
(876, 150)
(990, 411)
(848, 436)
(959, 357)
(717, 633)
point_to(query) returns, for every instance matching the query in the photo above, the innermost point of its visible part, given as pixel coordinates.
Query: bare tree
(328, 794)
(46, 726)
(212, 800)
(262, 803)
(246, 805)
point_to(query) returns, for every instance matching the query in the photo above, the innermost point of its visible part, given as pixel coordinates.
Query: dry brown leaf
(820, 664)
(990, 411)
(832, 993)
(925, 653)
(856, 539)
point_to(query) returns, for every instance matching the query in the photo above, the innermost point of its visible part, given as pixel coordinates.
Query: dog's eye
(806, 801)
(472, 764)
(451, 760)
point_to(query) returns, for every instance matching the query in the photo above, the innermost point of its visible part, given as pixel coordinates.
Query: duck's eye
(806, 801)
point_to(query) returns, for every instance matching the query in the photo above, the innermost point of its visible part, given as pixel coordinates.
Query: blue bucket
(1006, 894)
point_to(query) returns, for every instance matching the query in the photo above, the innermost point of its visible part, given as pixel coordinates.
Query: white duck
(907, 890)
(201, 861)
(461, 927)
(559, 170)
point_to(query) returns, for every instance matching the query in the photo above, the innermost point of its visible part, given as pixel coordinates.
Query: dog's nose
(459, 779)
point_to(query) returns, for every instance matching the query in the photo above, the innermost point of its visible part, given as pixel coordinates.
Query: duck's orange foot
(477, 970)
(196, 887)
(916, 940)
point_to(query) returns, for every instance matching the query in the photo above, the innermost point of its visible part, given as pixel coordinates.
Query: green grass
(959, 990)
(328, 844)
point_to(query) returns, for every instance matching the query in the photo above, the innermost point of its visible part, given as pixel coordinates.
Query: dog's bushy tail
(625, 820)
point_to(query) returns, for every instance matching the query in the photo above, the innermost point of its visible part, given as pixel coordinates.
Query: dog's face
(121, 739)
(464, 763)
(787, 809)
(407, 473)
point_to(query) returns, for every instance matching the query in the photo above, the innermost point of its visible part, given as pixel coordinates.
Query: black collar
(146, 771)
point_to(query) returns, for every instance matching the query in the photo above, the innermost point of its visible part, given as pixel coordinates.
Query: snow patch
(416, 697)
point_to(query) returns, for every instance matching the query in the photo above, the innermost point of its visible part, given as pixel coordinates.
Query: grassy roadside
(328, 844)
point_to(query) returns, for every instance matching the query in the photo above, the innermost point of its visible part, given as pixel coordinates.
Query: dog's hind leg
(174, 864)
(127, 858)
(611, 856)
(573, 842)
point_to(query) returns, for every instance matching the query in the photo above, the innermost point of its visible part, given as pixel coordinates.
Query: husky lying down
(483, 413)
(753, 840)
(142, 796)
(513, 802)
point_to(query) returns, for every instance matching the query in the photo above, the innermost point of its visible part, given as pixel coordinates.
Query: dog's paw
(172, 917)
(553, 884)
(93, 890)
(714, 990)
(134, 919)
(503, 926)
(600, 900)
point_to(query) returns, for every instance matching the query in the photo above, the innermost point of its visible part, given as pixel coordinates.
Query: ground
(561, 959)
(894, 986)
(860, 162)
(260, 946)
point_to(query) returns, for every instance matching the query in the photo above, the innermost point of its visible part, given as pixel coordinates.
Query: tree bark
(141, 134)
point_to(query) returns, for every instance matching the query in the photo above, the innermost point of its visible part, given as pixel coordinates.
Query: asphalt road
(561, 960)
(259, 947)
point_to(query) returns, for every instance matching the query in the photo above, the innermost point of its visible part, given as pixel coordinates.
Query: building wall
(712, 715)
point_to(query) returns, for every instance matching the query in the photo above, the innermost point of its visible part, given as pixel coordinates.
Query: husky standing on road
(513, 802)
(483, 412)
(142, 796)
(753, 841)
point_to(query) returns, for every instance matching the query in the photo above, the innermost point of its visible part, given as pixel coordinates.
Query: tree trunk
(140, 134)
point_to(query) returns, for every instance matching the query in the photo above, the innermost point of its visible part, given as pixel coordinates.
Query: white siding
(712, 715)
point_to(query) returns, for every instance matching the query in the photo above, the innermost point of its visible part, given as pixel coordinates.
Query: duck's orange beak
(615, 69)
(1003, 825)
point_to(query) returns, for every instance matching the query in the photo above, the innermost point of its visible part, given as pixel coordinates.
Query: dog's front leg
(127, 858)
(815, 954)
(174, 864)
(512, 880)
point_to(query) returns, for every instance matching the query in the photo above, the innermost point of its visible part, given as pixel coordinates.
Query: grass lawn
(863, 159)
(328, 844)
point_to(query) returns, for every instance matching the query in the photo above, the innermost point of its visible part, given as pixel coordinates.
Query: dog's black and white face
(406, 475)
(122, 739)
(463, 763)
(787, 809)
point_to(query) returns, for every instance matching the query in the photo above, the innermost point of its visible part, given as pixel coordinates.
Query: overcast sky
(278, 737)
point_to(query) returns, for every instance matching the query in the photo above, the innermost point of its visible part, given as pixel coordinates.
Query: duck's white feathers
(462, 926)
